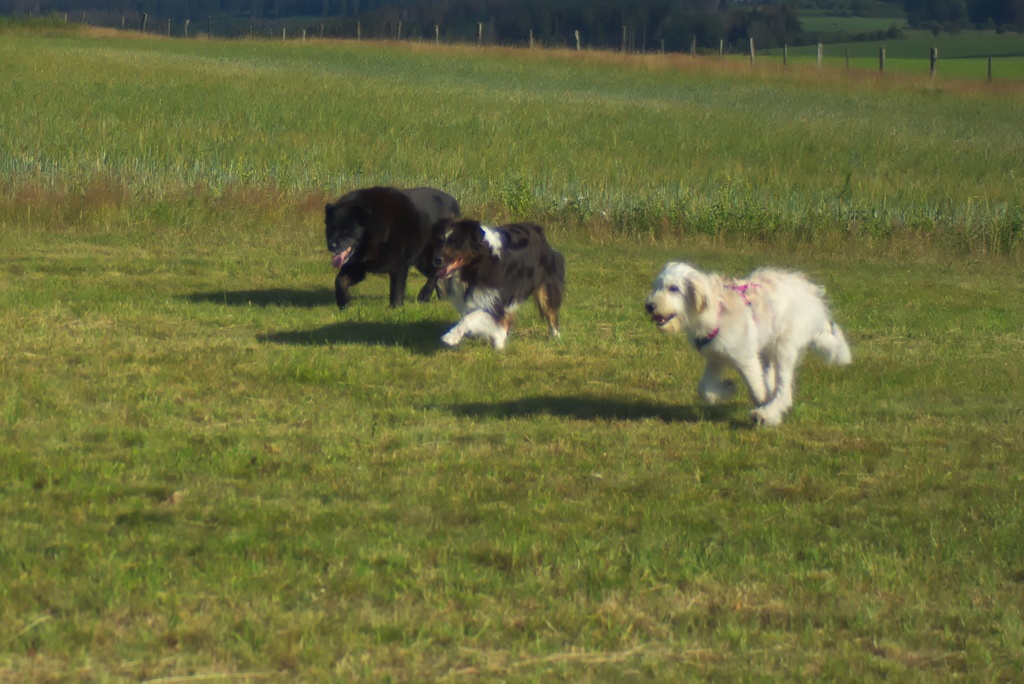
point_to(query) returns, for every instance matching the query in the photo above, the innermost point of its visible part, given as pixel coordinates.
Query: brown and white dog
(759, 325)
(490, 271)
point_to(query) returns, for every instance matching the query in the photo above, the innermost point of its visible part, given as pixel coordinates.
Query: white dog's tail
(831, 346)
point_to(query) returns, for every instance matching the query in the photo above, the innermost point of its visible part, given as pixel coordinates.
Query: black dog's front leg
(345, 279)
(428, 290)
(433, 284)
(398, 280)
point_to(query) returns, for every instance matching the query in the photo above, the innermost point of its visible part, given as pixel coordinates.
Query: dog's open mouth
(450, 268)
(662, 320)
(339, 258)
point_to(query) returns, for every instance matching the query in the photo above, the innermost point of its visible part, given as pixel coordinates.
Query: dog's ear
(696, 294)
(474, 229)
(438, 231)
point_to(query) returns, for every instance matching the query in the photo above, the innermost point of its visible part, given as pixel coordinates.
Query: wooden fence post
(437, 33)
(531, 39)
(721, 47)
(122, 22)
(751, 52)
(693, 46)
(881, 59)
(933, 58)
(359, 31)
(821, 54)
(209, 26)
(479, 33)
(187, 21)
(785, 54)
(145, 18)
(398, 33)
(577, 35)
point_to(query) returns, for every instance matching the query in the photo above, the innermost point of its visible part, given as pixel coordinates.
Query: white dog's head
(680, 297)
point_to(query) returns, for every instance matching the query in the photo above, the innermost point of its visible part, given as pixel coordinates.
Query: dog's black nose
(650, 307)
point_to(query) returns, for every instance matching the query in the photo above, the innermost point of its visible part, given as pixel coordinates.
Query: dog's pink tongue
(446, 271)
(339, 259)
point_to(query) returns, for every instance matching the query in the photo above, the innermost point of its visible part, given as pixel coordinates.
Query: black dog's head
(346, 224)
(458, 243)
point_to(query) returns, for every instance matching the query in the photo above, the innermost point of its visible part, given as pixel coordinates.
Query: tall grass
(644, 146)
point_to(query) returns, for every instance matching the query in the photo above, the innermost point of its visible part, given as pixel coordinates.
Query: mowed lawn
(210, 473)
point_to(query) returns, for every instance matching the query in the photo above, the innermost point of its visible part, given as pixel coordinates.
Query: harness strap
(742, 290)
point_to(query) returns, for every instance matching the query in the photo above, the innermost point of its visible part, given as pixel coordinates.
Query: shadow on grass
(422, 337)
(597, 408)
(300, 299)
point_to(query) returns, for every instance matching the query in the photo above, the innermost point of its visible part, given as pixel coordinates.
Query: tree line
(639, 25)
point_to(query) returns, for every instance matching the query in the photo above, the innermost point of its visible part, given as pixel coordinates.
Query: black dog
(492, 270)
(385, 230)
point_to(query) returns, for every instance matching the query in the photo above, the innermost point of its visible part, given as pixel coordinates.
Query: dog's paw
(498, 341)
(451, 338)
(723, 391)
(766, 416)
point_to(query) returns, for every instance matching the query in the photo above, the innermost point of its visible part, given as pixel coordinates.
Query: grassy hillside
(212, 474)
(169, 131)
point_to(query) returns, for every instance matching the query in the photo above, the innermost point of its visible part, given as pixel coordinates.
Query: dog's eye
(673, 288)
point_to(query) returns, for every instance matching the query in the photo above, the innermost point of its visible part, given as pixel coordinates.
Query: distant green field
(969, 44)
(964, 55)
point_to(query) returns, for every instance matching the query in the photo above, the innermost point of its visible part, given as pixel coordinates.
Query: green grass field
(210, 473)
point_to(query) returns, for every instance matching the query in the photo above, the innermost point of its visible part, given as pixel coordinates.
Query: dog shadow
(593, 408)
(421, 337)
(282, 297)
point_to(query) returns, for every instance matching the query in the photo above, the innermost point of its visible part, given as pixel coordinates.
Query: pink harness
(701, 342)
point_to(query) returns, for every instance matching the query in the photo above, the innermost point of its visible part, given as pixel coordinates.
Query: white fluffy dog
(759, 325)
